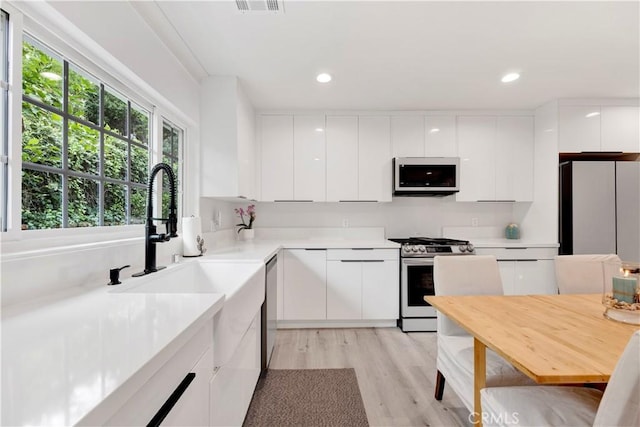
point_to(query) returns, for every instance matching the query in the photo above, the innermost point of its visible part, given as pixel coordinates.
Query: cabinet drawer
(519, 253)
(362, 254)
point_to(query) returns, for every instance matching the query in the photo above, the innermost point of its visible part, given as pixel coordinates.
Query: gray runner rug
(307, 397)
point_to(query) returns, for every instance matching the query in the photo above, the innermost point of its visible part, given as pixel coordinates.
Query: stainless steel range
(416, 278)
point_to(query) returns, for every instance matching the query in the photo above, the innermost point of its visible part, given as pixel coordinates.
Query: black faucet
(151, 235)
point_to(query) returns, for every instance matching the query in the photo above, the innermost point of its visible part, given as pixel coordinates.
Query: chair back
(464, 275)
(585, 274)
(620, 404)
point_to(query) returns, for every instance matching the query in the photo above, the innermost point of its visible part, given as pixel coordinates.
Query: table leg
(479, 377)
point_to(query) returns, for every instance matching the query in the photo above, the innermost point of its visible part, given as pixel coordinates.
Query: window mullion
(65, 145)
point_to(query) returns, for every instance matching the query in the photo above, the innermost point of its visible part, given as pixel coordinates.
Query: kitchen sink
(242, 283)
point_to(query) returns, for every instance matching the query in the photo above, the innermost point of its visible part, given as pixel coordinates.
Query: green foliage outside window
(97, 185)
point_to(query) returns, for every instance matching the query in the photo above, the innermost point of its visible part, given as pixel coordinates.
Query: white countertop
(511, 243)
(62, 360)
(64, 357)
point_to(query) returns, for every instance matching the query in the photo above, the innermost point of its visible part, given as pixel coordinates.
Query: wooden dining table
(553, 339)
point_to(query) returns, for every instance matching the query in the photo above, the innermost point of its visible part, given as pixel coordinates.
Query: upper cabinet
(309, 158)
(598, 128)
(440, 136)
(342, 158)
(276, 166)
(228, 140)
(496, 158)
(424, 136)
(407, 136)
(374, 159)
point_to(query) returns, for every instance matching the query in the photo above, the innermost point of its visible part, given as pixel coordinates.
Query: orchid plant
(251, 216)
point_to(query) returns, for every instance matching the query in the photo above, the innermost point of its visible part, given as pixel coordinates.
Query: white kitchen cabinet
(476, 146)
(407, 136)
(598, 128)
(228, 147)
(276, 169)
(380, 289)
(578, 128)
(342, 158)
(309, 158)
(496, 158)
(305, 284)
(362, 284)
(192, 408)
(514, 158)
(440, 136)
(344, 290)
(528, 276)
(620, 128)
(232, 386)
(374, 159)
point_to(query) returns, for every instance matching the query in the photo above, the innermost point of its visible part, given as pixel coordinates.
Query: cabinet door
(192, 409)
(407, 136)
(440, 136)
(277, 157)
(380, 290)
(514, 159)
(476, 146)
(374, 159)
(620, 129)
(578, 128)
(309, 164)
(344, 290)
(342, 158)
(305, 284)
(507, 275)
(628, 210)
(534, 277)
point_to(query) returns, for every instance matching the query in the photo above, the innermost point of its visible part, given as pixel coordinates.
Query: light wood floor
(396, 371)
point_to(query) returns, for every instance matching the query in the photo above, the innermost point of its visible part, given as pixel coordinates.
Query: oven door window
(419, 284)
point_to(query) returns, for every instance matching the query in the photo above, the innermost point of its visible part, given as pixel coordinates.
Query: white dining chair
(571, 406)
(585, 274)
(467, 275)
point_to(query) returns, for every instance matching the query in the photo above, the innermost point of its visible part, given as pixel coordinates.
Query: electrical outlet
(474, 222)
(217, 220)
(345, 222)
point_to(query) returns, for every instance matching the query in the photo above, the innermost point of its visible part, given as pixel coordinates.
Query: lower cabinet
(233, 384)
(528, 277)
(340, 284)
(366, 289)
(185, 377)
(305, 284)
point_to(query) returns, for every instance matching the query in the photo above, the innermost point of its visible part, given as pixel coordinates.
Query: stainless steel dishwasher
(269, 313)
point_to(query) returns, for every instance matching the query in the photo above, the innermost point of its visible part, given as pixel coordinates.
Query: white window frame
(42, 22)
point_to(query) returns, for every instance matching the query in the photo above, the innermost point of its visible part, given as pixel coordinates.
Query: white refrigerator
(600, 208)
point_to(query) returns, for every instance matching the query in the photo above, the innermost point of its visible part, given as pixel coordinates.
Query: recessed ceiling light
(51, 76)
(434, 130)
(592, 114)
(323, 78)
(319, 130)
(511, 77)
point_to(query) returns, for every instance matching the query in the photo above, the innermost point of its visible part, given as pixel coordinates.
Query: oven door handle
(417, 261)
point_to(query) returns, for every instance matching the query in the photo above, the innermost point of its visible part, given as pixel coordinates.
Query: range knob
(414, 249)
(406, 248)
(421, 248)
(463, 248)
(470, 247)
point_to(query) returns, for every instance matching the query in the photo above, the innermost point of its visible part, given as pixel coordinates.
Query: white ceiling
(395, 55)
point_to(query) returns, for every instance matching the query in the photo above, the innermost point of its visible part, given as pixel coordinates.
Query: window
(4, 117)
(171, 154)
(85, 147)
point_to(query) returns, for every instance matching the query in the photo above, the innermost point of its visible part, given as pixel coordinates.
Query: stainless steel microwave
(426, 176)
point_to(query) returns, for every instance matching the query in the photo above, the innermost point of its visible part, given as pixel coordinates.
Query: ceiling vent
(269, 6)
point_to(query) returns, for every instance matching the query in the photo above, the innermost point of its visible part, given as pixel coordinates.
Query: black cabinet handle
(171, 401)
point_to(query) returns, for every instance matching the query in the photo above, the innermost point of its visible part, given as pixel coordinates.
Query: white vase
(248, 234)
